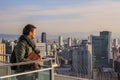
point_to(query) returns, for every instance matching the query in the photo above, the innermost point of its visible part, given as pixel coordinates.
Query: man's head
(29, 30)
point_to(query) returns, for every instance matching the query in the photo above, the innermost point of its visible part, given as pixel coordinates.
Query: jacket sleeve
(20, 52)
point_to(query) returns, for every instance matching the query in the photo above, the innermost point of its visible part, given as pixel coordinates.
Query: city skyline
(60, 16)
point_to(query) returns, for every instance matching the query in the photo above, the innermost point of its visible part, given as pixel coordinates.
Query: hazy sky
(60, 16)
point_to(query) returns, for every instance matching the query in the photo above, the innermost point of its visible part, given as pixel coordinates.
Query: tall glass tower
(43, 37)
(61, 41)
(101, 49)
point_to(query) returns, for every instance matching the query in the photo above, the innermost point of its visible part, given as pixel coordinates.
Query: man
(23, 49)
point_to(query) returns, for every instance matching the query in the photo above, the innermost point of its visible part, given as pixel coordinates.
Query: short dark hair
(28, 28)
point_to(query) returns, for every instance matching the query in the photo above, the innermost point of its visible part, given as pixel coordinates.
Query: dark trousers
(118, 76)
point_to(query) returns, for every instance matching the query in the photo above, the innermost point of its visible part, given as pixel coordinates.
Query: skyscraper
(69, 41)
(101, 46)
(43, 37)
(82, 58)
(108, 39)
(61, 41)
(115, 43)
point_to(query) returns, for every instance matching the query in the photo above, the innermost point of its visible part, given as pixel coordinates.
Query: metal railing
(46, 71)
(70, 72)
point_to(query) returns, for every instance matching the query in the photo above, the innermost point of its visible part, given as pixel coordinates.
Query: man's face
(33, 34)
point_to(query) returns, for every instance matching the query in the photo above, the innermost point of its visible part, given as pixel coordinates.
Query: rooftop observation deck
(49, 72)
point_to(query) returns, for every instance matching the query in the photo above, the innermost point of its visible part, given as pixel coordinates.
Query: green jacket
(24, 47)
(22, 50)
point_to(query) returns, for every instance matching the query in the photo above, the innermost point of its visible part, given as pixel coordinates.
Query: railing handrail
(28, 62)
(5, 54)
(23, 73)
(71, 77)
(8, 64)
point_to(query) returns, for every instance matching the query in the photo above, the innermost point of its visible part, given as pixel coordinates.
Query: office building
(82, 58)
(115, 43)
(2, 51)
(69, 42)
(9, 47)
(42, 48)
(48, 49)
(102, 49)
(43, 37)
(75, 41)
(60, 41)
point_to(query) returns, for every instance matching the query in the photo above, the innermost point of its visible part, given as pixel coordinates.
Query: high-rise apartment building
(102, 49)
(43, 37)
(82, 58)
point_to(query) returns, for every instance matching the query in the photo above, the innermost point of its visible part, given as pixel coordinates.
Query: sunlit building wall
(2, 51)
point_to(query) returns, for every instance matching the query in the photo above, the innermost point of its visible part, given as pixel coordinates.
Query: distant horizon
(80, 35)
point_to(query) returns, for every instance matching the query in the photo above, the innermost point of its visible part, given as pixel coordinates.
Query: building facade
(102, 49)
(60, 40)
(42, 48)
(69, 41)
(82, 58)
(43, 37)
(2, 51)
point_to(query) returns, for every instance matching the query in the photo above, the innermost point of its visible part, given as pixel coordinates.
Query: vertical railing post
(52, 74)
(51, 71)
(9, 67)
(8, 59)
